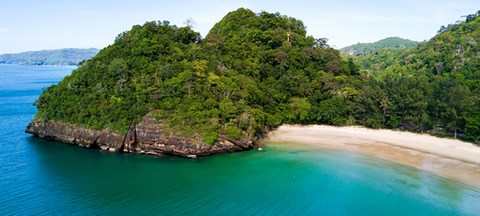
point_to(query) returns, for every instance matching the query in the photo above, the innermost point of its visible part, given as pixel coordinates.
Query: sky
(51, 24)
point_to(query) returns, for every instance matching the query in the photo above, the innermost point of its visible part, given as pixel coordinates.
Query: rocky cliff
(146, 137)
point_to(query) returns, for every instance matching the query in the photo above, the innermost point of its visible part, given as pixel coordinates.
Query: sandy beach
(445, 157)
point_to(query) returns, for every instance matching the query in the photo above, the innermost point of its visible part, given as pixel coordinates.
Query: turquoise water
(48, 178)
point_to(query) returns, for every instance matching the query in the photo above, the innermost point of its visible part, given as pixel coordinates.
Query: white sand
(443, 156)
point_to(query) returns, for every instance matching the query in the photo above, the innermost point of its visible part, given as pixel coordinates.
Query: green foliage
(332, 111)
(253, 72)
(298, 109)
(472, 128)
(433, 87)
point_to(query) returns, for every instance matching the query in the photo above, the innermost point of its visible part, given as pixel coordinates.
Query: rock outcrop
(146, 137)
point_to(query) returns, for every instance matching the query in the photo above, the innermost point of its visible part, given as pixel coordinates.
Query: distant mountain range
(69, 56)
(387, 43)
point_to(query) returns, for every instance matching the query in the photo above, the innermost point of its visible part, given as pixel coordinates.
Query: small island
(162, 89)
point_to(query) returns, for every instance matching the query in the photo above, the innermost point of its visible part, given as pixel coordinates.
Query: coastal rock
(68, 133)
(146, 137)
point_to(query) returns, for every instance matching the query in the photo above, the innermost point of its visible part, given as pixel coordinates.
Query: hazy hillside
(387, 43)
(69, 56)
(434, 86)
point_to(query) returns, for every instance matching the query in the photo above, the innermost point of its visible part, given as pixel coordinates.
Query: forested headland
(255, 71)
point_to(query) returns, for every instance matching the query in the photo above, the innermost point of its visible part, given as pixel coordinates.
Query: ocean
(40, 177)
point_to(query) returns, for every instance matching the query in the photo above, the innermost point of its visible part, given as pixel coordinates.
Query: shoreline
(146, 137)
(445, 157)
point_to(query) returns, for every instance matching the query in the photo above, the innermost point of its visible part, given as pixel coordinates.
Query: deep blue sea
(48, 178)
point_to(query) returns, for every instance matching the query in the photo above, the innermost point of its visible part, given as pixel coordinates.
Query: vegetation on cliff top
(257, 71)
(251, 72)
